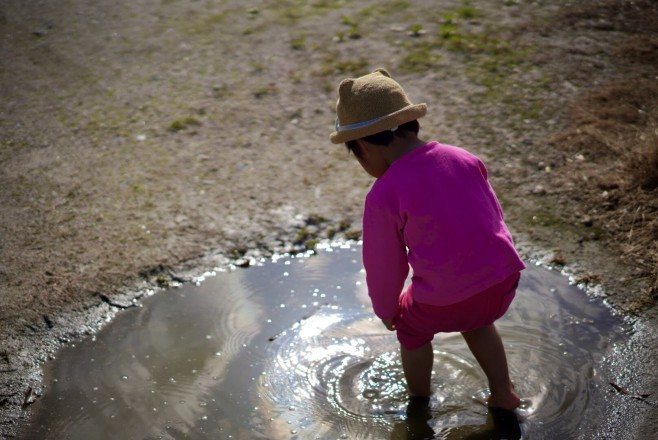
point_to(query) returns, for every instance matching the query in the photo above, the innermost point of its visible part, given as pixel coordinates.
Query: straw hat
(370, 104)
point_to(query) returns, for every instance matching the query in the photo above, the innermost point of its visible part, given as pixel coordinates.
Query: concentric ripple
(291, 350)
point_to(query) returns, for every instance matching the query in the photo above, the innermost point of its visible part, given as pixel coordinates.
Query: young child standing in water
(433, 209)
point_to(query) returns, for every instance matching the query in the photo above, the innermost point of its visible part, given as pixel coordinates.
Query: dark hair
(384, 137)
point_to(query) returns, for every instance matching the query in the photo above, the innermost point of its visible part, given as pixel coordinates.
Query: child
(431, 208)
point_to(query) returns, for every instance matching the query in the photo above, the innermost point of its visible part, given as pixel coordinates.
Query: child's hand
(389, 324)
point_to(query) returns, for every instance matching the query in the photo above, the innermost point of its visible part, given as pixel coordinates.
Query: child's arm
(384, 258)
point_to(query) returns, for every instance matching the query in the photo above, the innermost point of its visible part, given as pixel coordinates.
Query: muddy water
(289, 349)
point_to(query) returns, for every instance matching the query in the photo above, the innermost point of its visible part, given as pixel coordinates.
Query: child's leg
(487, 347)
(417, 366)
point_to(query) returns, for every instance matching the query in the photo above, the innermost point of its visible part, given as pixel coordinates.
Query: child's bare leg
(417, 366)
(487, 347)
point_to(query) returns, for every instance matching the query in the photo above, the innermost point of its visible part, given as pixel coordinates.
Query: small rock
(417, 33)
(30, 397)
(243, 262)
(539, 190)
(603, 25)
(559, 259)
(49, 322)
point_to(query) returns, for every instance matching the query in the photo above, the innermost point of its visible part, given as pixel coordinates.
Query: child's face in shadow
(372, 158)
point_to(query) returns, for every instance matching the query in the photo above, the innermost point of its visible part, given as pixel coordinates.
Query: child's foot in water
(506, 424)
(508, 401)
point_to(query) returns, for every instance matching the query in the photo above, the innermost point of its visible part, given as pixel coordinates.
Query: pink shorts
(417, 323)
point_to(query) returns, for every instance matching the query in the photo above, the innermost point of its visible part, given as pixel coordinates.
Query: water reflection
(290, 350)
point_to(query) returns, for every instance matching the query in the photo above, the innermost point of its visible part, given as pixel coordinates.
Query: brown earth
(142, 142)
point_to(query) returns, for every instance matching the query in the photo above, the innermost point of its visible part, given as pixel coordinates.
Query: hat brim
(395, 119)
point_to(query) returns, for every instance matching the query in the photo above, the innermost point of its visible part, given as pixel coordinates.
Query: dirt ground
(145, 141)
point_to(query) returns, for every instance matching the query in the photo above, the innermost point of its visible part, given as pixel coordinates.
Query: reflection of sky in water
(316, 324)
(290, 349)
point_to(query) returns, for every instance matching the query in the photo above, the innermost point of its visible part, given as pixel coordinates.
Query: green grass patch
(266, 90)
(290, 12)
(298, 42)
(420, 57)
(332, 64)
(182, 124)
(416, 30)
(467, 11)
(11, 148)
(382, 9)
(207, 24)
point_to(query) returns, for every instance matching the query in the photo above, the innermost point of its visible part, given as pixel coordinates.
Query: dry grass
(608, 151)
(643, 166)
(613, 134)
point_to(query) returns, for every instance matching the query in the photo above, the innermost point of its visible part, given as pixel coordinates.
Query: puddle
(289, 349)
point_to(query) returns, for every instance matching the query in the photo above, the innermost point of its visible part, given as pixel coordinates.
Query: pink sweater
(435, 211)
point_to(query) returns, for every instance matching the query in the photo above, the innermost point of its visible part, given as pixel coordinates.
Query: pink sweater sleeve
(384, 258)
